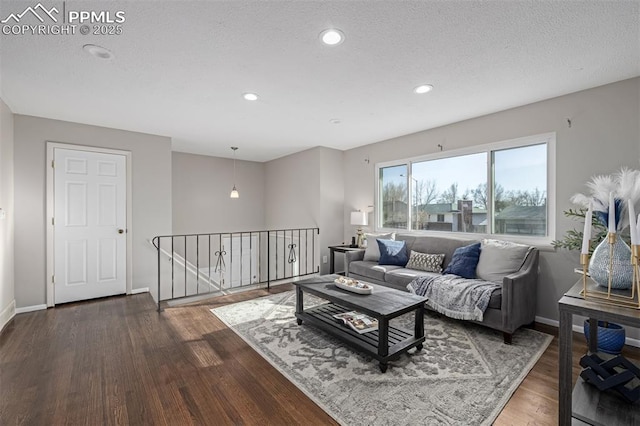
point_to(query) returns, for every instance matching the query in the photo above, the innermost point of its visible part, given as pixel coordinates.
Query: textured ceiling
(180, 68)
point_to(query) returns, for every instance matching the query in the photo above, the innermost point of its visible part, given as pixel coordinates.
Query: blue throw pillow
(464, 261)
(392, 252)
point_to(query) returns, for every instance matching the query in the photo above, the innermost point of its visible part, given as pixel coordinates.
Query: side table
(608, 411)
(332, 255)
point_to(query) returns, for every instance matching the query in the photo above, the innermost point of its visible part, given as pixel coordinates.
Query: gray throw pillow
(425, 262)
(372, 252)
(499, 259)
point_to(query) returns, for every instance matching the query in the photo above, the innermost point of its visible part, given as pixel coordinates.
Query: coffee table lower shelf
(399, 340)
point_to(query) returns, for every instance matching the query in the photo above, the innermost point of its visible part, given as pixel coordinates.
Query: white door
(89, 225)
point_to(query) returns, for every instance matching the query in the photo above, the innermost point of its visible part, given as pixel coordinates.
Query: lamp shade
(359, 218)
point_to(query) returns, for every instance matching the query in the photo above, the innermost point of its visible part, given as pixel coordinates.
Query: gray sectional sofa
(510, 307)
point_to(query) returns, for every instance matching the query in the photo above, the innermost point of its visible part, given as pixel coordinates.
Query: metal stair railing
(199, 264)
(191, 268)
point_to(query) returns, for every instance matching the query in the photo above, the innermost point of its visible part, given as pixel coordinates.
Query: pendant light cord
(234, 148)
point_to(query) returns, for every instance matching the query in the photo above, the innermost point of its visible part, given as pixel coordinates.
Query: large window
(499, 188)
(520, 190)
(393, 196)
(443, 191)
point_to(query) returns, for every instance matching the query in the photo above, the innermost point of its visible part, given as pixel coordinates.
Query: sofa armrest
(352, 256)
(519, 292)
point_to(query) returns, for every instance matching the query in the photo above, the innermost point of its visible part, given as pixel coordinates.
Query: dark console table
(585, 403)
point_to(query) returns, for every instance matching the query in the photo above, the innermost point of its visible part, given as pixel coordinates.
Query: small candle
(586, 234)
(612, 214)
(633, 228)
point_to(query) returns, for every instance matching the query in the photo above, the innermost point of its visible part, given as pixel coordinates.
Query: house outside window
(505, 188)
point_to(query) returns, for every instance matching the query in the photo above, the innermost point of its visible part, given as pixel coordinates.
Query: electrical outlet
(324, 259)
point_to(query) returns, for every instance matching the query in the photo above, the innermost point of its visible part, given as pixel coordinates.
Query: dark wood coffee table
(385, 303)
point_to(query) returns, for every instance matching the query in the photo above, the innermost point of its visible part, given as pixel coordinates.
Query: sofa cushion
(425, 262)
(499, 259)
(403, 276)
(496, 300)
(464, 261)
(372, 270)
(372, 252)
(434, 244)
(392, 252)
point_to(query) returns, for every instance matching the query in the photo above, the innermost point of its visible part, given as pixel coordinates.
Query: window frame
(545, 138)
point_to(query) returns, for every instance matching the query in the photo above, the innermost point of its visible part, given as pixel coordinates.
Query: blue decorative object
(392, 252)
(611, 337)
(622, 276)
(603, 216)
(464, 261)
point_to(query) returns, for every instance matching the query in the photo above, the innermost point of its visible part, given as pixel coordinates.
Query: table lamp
(359, 219)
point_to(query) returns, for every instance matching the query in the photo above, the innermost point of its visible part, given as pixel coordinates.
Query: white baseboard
(579, 329)
(7, 314)
(30, 309)
(140, 290)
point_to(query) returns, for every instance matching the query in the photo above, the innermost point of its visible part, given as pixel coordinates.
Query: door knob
(120, 231)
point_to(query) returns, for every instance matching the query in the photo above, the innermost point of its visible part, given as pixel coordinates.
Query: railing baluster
(197, 264)
(159, 251)
(299, 262)
(313, 248)
(173, 258)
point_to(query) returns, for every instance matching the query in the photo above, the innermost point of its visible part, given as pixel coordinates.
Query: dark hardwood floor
(117, 361)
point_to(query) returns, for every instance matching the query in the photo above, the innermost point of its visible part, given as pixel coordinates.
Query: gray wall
(151, 180)
(331, 204)
(604, 136)
(6, 204)
(200, 191)
(306, 190)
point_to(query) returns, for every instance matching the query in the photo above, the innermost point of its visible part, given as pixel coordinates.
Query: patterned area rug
(464, 374)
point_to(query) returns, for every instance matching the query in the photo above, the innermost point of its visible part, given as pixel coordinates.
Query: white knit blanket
(454, 296)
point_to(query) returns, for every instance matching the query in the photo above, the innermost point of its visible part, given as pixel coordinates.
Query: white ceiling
(180, 68)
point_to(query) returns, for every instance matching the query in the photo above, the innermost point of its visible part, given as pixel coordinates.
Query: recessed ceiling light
(423, 89)
(98, 51)
(335, 121)
(332, 36)
(250, 96)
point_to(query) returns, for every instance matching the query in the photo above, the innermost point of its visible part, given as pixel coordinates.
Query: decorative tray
(352, 285)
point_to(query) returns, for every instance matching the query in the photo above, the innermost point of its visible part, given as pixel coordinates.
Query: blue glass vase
(622, 276)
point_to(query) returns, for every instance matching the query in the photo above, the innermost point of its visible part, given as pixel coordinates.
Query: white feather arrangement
(625, 187)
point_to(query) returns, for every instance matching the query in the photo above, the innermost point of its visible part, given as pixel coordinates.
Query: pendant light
(234, 191)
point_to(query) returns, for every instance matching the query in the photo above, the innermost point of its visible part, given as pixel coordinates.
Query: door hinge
(53, 279)
(53, 221)
(53, 164)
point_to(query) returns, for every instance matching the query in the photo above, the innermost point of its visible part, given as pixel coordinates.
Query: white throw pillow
(499, 259)
(372, 252)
